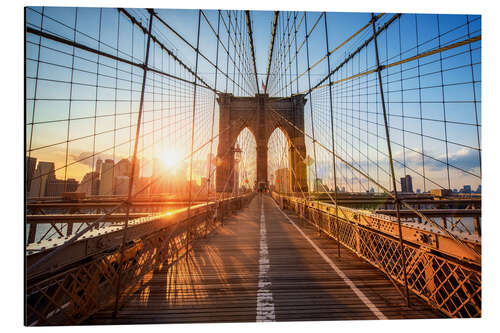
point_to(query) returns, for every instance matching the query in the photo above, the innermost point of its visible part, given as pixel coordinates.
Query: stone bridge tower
(259, 115)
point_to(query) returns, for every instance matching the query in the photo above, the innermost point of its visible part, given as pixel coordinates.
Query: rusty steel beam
(413, 201)
(415, 233)
(103, 240)
(434, 212)
(430, 253)
(105, 204)
(71, 218)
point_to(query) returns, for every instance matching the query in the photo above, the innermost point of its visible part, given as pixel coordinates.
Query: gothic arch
(261, 115)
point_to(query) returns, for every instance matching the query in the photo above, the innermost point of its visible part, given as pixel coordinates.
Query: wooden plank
(218, 281)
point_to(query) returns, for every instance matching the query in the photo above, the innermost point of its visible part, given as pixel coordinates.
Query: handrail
(72, 294)
(439, 271)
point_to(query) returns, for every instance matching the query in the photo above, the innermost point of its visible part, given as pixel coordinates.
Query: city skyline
(84, 106)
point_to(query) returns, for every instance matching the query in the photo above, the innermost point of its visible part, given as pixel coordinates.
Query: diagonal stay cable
(250, 35)
(271, 49)
(402, 201)
(329, 53)
(91, 225)
(374, 254)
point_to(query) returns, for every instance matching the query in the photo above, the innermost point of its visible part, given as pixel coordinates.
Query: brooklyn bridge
(237, 166)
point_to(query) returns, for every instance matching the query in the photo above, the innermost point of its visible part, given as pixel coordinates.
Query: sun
(171, 158)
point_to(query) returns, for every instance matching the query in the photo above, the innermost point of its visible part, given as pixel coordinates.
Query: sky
(77, 99)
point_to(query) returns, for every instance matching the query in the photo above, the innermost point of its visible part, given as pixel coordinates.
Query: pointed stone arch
(279, 144)
(248, 165)
(261, 115)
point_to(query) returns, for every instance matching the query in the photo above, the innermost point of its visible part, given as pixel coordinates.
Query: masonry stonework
(262, 115)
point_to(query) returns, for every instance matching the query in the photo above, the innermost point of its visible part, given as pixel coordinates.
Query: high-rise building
(98, 168)
(406, 184)
(43, 174)
(158, 177)
(30, 170)
(121, 173)
(318, 185)
(106, 184)
(89, 184)
(121, 185)
(122, 168)
(56, 187)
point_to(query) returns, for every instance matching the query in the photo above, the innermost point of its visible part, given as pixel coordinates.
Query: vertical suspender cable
(333, 142)
(134, 162)
(310, 102)
(192, 131)
(391, 162)
(250, 34)
(213, 111)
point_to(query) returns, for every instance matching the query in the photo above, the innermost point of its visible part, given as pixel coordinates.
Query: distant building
(98, 168)
(30, 170)
(318, 185)
(121, 176)
(56, 187)
(121, 185)
(123, 168)
(406, 184)
(157, 173)
(106, 185)
(89, 184)
(43, 174)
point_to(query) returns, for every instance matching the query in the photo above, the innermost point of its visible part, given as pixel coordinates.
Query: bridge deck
(230, 277)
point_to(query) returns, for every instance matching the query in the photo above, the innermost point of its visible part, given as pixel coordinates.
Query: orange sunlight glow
(171, 158)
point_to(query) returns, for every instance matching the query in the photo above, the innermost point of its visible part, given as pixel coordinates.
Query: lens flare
(171, 158)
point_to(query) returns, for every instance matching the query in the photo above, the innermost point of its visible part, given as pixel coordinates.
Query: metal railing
(72, 294)
(445, 276)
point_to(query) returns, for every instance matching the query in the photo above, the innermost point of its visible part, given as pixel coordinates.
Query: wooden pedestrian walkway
(263, 265)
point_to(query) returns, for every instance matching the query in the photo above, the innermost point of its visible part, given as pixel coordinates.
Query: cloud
(467, 159)
(86, 158)
(435, 168)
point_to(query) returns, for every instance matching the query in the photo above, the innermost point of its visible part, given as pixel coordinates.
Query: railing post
(69, 229)
(477, 226)
(32, 233)
(391, 162)
(429, 272)
(357, 238)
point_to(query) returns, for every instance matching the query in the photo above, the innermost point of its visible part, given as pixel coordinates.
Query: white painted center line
(265, 302)
(337, 270)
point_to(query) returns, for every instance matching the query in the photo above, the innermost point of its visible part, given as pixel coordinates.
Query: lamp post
(237, 158)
